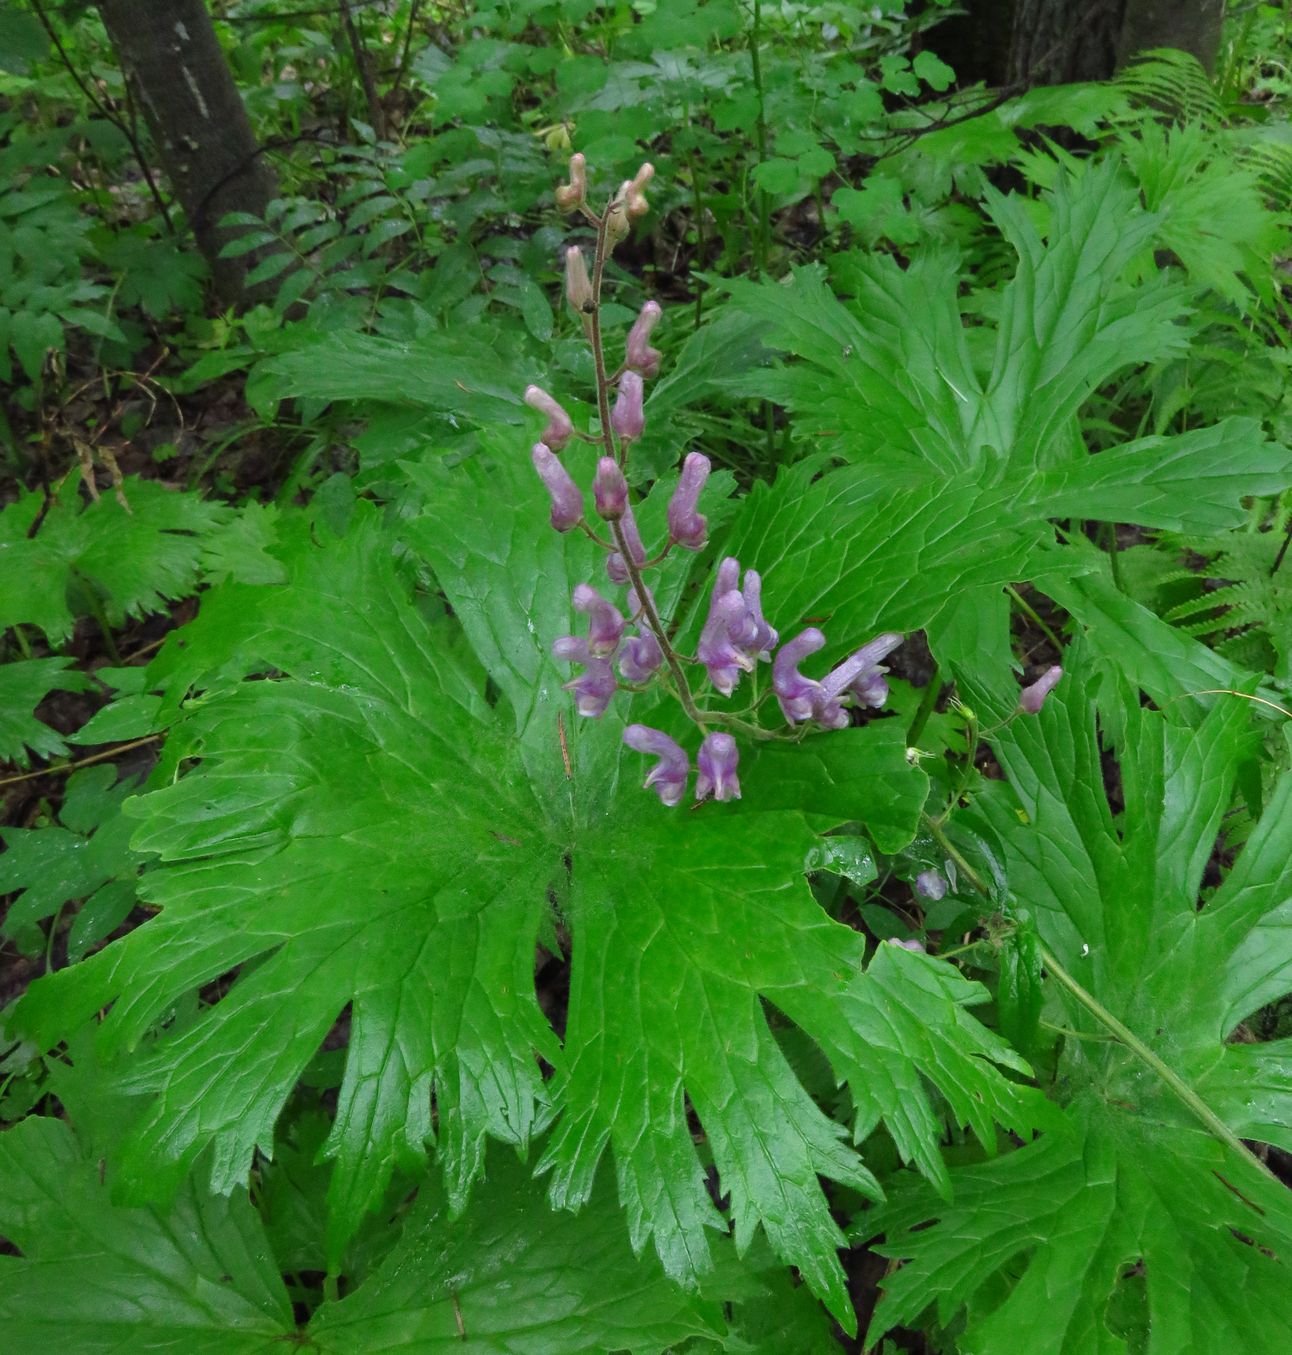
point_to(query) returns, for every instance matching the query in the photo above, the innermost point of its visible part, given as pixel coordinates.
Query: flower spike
(567, 498)
(669, 775)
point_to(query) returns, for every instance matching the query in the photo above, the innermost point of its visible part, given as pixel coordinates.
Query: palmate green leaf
(512, 1277)
(24, 684)
(369, 829)
(1135, 1203)
(133, 560)
(96, 1280)
(958, 463)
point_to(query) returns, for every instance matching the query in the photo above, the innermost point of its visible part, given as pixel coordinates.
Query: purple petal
(685, 526)
(669, 775)
(871, 688)
(765, 636)
(723, 659)
(615, 565)
(931, 884)
(716, 763)
(1032, 698)
(640, 658)
(916, 946)
(856, 665)
(567, 498)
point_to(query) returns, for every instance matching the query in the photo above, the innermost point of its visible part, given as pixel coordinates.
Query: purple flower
(560, 428)
(567, 498)
(798, 695)
(578, 286)
(640, 657)
(716, 764)
(1031, 699)
(605, 624)
(859, 667)
(670, 773)
(639, 356)
(610, 489)
(615, 565)
(871, 688)
(931, 884)
(685, 526)
(916, 946)
(723, 659)
(627, 418)
(594, 688)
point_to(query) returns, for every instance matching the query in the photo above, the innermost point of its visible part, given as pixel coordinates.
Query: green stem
(927, 705)
(1031, 613)
(760, 138)
(1120, 1032)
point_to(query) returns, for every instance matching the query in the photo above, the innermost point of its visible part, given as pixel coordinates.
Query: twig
(80, 762)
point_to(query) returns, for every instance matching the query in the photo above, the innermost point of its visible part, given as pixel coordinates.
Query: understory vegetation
(671, 733)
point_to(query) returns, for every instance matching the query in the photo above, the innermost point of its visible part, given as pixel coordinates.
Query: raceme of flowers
(627, 644)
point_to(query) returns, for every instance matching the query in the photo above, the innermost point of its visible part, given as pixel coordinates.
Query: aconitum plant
(630, 646)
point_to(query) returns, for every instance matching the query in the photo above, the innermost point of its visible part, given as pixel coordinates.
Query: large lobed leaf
(1134, 1226)
(365, 829)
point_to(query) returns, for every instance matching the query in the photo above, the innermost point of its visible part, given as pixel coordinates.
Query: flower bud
(605, 624)
(670, 773)
(716, 768)
(615, 566)
(627, 418)
(1031, 699)
(570, 197)
(560, 428)
(917, 947)
(639, 356)
(931, 884)
(685, 526)
(578, 285)
(567, 498)
(610, 490)
(634, 192)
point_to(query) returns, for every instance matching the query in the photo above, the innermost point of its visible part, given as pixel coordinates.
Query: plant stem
(760, 138)
(80, 762)
(1121, 1033)
(927, 705)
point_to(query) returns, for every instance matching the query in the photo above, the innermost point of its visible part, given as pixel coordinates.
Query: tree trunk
(1191, 25)
(1058, 42)
(169, 52)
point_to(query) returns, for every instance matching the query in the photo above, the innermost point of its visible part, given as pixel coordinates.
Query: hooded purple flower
(627, 418)
(765, 637)
(639, 356)
(856, 668)
(722, 657)
(798, 695)
(871, 688)
(716, 768)
(560, 427)
(916, 946)
(567, 497)
(605, 624)
(640, 657)
(594, 688)
(669, 775)
(685, 526)
(1031, 699)
(931, 884)
(615, 566)
(610, 490)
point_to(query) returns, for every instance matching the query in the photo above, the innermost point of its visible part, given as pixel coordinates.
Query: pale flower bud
(570, 197)
(610, 489)
(578, 285)
(560, 427)
(639, 356)
(567, 498)
(627, 418)
(634, 192)
(1031, 699)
